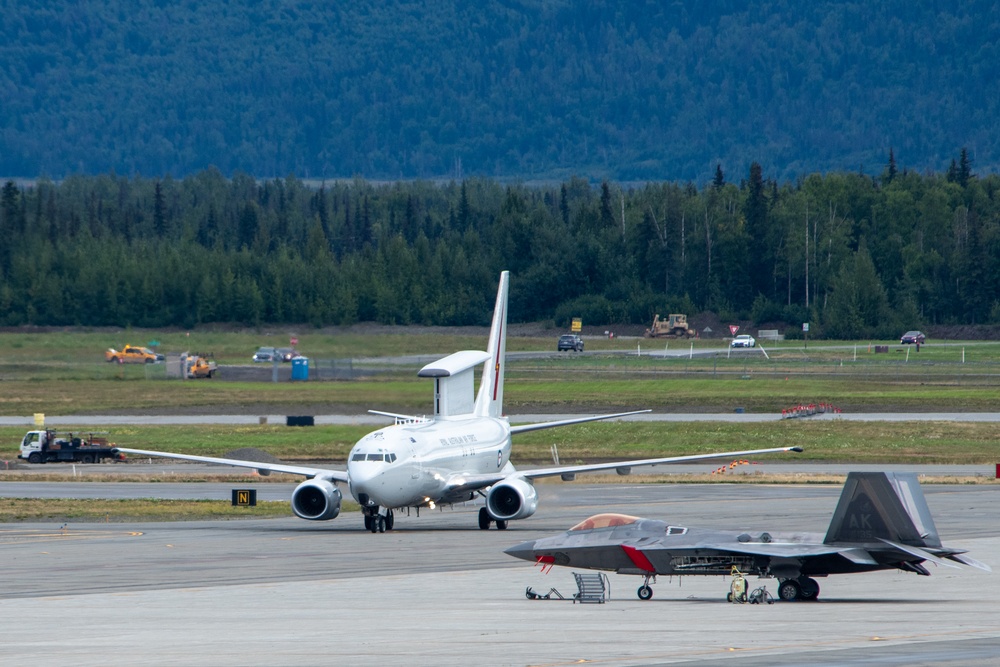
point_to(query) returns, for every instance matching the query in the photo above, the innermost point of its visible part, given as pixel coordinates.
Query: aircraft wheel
(644, 592)
(484, 519)
(810, 588)
(368, 522)
(729, 596)
(380, 522)
(390, 520)
(501, 524)
(789, 590)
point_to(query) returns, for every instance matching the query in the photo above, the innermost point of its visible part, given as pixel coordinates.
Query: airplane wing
(467, 482)
(614, 465)
(524, 428)
(324, 473)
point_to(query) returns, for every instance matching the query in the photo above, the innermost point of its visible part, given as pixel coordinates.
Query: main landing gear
(378, 523)
(485, 520)
(803, 588)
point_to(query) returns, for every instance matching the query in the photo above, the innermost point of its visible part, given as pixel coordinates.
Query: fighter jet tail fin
(882, 506)
(489, 401)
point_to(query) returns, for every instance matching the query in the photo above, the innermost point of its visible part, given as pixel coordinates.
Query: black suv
(570, 342)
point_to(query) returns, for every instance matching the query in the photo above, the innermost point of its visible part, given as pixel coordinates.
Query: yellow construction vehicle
(199, 367)
(675, 326)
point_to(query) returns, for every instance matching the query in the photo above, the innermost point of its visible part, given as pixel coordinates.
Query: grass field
(59, 373)
(13, 510)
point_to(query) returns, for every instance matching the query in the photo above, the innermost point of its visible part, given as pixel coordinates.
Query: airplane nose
(524, 551)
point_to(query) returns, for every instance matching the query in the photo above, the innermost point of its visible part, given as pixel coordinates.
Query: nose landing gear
(377, 522)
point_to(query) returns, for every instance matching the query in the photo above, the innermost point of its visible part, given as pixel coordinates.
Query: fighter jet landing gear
(803, 588)
(645, 592)
(378, 523)
(485, 520)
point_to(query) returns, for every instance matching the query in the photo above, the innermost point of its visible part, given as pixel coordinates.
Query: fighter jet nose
(525, 550)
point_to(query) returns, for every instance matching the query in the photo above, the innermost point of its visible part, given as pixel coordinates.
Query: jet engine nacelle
(316, 500)
(512, 499)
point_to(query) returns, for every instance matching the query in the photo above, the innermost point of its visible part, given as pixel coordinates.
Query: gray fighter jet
(882, 522)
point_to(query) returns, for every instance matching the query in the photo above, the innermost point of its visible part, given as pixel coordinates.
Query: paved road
(438, 591)
(63, 421)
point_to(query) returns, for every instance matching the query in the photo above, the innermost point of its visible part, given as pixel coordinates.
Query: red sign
(733, 328)
(294, 341)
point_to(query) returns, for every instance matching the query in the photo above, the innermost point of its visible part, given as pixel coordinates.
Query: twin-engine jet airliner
(461, 451)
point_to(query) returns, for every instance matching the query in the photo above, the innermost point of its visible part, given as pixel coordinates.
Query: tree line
(853, 255)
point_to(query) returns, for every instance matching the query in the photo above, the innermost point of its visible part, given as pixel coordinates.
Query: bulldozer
(675, 326)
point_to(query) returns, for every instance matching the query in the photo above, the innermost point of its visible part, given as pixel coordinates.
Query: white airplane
(462, 451)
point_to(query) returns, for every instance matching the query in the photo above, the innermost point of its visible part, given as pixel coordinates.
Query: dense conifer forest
(855, 255)
(626, 91)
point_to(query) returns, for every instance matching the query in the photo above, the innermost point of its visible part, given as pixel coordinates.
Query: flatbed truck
(48, 446)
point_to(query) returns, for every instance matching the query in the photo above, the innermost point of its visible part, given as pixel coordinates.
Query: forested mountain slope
(529, 89)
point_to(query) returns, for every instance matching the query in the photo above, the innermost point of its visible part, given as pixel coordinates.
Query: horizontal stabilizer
(918, 552)
(401, 419)
(524, 428)
(971, 562)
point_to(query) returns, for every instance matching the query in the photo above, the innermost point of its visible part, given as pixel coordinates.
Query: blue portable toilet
(300, 368)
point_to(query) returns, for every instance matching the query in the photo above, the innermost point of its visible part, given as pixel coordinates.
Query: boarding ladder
(593, 588)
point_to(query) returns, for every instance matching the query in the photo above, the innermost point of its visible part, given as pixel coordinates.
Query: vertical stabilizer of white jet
(489, 402)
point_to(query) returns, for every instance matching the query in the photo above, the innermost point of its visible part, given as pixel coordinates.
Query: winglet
(489, 402)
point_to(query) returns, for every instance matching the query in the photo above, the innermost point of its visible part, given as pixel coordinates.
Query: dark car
(912, 338)
(266, 354)
(287, 353)
(570, 342)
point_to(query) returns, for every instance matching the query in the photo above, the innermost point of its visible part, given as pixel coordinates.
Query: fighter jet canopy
(605, 521)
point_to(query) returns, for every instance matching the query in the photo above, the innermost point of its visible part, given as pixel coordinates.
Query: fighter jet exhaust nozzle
(316, 500)
(512, 499)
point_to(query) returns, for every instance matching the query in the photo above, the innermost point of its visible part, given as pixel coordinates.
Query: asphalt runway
(439, 591)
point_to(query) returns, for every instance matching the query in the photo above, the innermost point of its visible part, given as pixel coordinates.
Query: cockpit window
(605, 521)
(379, 456)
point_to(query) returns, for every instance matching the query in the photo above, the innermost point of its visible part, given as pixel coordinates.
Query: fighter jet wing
(324, 473)
(918, 552)
(594, 467)
(779, 549)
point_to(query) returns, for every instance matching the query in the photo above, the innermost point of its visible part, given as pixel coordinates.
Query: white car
(743, 340)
